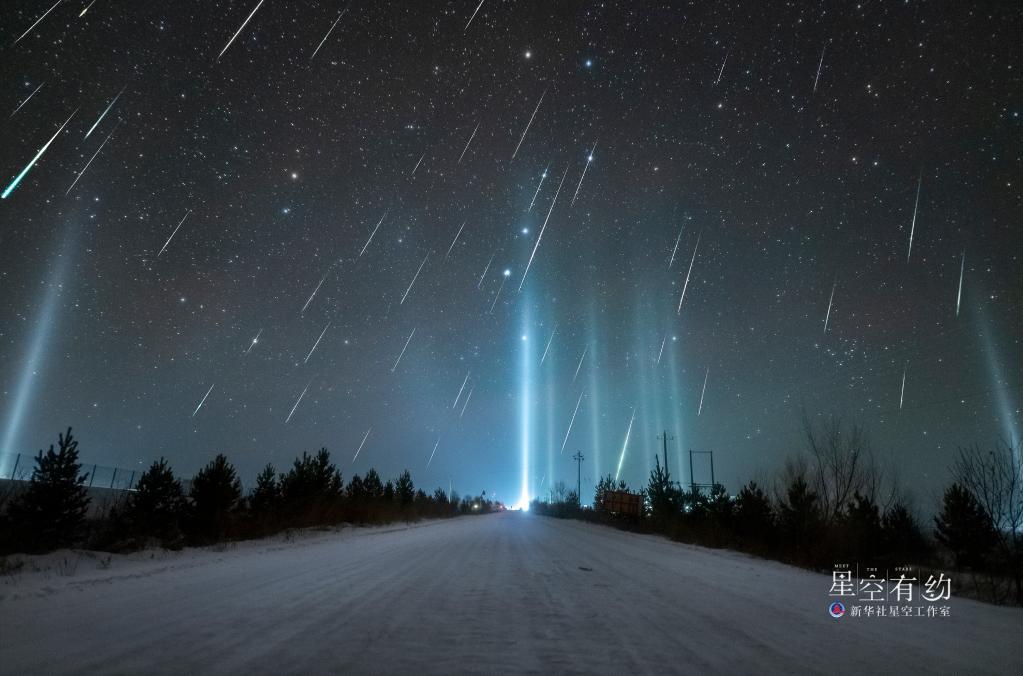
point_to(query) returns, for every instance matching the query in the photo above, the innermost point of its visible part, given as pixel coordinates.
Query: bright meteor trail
(572, 421)
(364, 246)
(402, 354)
(86, 167)
(328, 33)
(686, 285)
(104, 113)
(17, 179)
(912, 225)
(297, 402)
(240, 29)
(589, 158)
(26, 100)
(203, 400)
(832, 298)
(959, 294)
(316, 344)
(37, 21)
(625, 445)
(529, 124)
(540, 236)
(313, 294)
(363, 443)
(414, 278)
(164, 248)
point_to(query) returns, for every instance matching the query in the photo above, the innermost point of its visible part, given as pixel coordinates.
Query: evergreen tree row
(51, 512)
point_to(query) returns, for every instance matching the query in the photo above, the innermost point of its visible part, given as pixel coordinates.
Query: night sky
(835, 187)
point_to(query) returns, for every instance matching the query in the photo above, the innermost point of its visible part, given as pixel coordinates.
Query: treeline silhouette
(835, 504)
(51, 511)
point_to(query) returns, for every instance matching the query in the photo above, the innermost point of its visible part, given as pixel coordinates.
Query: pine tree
(158, 504)
(754, 517)
(662, 494)
(799, 518)
(389, 491)
(356, 491)
(216, 494)
(373, 485)
(405, 489)
(964, 528)
(862, 525)
(902, 539)
(266, 495)
(50, 513)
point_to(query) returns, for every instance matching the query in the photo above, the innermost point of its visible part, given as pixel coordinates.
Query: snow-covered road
(507, 593)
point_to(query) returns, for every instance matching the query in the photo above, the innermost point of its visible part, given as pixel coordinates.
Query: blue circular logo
(837, 609)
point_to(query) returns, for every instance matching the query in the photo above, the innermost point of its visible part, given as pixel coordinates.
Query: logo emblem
(837, 609)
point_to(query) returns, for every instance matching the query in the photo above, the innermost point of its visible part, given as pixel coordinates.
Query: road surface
(507, 593)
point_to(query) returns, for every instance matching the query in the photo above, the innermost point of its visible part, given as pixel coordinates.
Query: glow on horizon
(525, 423)
(31, 366)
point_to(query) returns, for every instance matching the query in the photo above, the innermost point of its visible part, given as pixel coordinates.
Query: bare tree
(995, 478)
(842, 464)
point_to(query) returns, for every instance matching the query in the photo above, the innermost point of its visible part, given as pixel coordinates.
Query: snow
(489, 594)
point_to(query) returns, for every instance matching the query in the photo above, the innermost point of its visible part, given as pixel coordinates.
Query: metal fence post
(113, 478)
(92, 477)
(16, 461)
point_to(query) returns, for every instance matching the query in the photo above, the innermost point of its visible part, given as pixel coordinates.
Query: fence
(96, 475)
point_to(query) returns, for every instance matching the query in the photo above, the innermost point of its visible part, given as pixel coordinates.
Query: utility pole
(578, 457)
(665, 438)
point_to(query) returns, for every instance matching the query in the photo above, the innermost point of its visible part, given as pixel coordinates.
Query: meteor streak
(540, 236)
(316, 343)
(26, 100)
(366, 245)
(17, 179)
(363, 443)
(434, 446)
(402, 354)
(962, 267)
(549, 341)
(663, 341)
(721, 72)
(240, 29)
(297, 402)
(82, 172)
(454, 241)
(86, 9)
(480, 283)
(203, 400)
(686, 285)
(414, 278)
(832, 298)
(817, 79)
(467, 144)
(164, 248)
(580, 365)
(460, 389)
(625, 445)
(572, 421)
(529, 124)
(912, 226)
(467, 398)
(254, 341)
(327, 36)
(589, 158)
(37, 21)
(313, 294)
(675, 250)
(902, 391)
(539, 185)
(417, 166)
(104, 113)
(705, 376)
(473, 16)
(504, 278)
